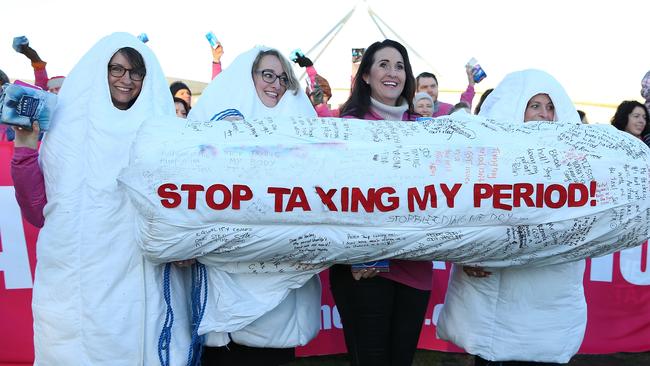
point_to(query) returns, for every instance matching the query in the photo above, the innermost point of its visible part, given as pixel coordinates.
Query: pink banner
(17, 262)
(617, 288)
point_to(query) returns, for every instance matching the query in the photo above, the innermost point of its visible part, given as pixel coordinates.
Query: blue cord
(199, 285)
(165, 338)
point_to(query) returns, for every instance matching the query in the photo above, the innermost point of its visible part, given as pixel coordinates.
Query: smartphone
(143, 37)
(317, 95)
(214, 42)
(357, 54)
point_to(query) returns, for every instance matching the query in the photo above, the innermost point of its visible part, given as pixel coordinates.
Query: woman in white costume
(259, 83)
(519, 315)
(96, 301)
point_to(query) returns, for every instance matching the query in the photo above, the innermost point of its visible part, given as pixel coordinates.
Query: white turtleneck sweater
(387, 112)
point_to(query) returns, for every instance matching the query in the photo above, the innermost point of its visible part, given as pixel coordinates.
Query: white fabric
(257, 310)
(509, 99)
(387, 112)
(90, 302)
(289, 247)
(335, 153)
(519, 313)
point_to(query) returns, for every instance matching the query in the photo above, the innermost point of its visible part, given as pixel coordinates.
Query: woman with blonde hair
(259, 83)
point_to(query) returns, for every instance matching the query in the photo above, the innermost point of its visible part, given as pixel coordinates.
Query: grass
(434, 358)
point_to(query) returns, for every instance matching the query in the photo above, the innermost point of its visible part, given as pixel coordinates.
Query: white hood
(89, 301)
(509, 99)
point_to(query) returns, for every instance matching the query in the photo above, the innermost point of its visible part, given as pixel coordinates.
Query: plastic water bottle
(214, 42)
(19, 42)
(143, 37)
(21, 105)
(477, 71)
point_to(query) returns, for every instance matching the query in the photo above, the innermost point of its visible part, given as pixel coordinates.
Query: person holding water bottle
(428, 83)
(217, 52)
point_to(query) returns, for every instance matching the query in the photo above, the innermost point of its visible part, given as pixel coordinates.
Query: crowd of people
(382, 312)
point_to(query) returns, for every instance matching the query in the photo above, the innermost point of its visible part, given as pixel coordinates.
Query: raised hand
(26, 138)
(303, 61)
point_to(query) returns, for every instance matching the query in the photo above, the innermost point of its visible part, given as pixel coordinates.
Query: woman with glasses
(259, 83)
(382, 312)
(126, 72)
(268, 67)
(95, 300)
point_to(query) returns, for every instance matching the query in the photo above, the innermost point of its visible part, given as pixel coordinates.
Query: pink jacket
(323, 110)
(216, 69)
(40, 74)
(417, 274)
(29, 184)
(445, 108)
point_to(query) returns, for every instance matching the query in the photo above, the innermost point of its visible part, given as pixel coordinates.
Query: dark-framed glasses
(269, 77)
(118, 71)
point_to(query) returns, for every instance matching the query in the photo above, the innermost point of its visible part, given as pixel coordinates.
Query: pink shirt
(40, 74)
(29, 184)
(216, 69)
(323, 110)
(467, 97)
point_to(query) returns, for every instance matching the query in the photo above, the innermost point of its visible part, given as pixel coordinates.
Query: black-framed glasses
(118, 71)
(269, 77)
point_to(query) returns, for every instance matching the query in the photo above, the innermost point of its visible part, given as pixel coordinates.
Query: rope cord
(199, 301)
(165, 338)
